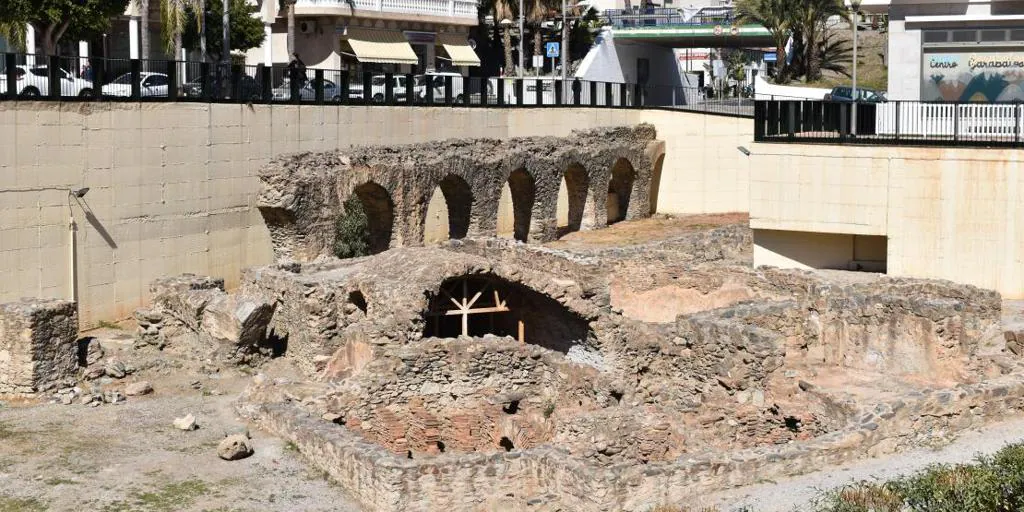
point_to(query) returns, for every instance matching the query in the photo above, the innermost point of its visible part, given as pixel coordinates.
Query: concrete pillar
(83, 55)
(30, 44)
(133, 37)
(268, 45)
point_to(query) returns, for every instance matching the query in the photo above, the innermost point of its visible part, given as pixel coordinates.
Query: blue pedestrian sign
(551, 50)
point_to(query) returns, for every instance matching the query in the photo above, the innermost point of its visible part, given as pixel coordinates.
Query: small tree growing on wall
(352, 230)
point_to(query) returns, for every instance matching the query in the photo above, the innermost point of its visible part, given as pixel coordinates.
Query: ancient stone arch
(515, 206)
(449, 210)
(575, 205)
(479, 304)
(620, 190)
(380, 214)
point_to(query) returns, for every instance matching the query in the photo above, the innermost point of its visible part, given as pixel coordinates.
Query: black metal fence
(96, 79)
(894, 122)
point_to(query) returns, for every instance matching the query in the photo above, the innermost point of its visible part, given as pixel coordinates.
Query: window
(39, 71)
(123, 79)
(155, 81)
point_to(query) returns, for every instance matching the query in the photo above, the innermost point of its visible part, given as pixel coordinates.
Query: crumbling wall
(302, 193)
(38, 348)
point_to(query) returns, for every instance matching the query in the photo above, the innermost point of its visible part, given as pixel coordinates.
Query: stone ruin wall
(302, 194)
(38, 349)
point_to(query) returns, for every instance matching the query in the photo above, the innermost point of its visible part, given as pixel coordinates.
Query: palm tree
(505, 10)
(14, 32)
(175, 14)
(290, 6)
(775, 16)
(811, 16)
(537, 13)
(143, 6)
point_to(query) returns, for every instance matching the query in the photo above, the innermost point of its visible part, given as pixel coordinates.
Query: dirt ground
(128, 456)
(659, 227)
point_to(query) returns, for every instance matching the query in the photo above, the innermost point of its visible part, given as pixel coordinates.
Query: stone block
(236, 319)
(186, 296)
(38, 344)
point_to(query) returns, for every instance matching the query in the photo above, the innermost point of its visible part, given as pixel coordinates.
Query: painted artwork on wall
(973, 76)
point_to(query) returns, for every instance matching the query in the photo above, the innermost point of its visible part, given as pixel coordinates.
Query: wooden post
(522, 332)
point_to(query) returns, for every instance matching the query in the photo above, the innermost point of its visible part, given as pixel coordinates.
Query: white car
(436, 81)
(152, 85)
(378, 89)
(35, 81)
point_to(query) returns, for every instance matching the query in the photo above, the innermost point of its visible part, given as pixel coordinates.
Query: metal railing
(30, 77)
(894, 122)
(661, 16)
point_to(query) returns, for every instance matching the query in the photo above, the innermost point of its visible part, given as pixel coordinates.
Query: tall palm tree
(143, 7)
(14, 32)
(174, 14)
(505, 10)
(538, 12)
(776, 17)
(811, 17)
(290, 6)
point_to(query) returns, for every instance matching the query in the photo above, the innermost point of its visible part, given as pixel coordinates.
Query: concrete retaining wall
(172, 185)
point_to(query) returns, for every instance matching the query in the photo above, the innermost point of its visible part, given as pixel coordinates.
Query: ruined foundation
(461, 370)
(38, 349)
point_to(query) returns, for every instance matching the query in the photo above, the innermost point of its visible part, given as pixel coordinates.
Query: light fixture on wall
(743, 150)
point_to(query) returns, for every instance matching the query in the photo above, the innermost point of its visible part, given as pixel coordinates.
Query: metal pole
(522, 35)
(565, 44)
(226, 53)
(853, 19)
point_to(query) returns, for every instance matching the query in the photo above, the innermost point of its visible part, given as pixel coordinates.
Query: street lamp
(854, 7)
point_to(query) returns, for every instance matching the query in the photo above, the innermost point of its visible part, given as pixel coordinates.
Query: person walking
(297, 70)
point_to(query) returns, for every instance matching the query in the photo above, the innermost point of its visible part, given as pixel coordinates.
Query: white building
(399, 36)
(966, 50)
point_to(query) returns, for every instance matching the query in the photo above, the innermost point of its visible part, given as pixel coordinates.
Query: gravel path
(795, 493)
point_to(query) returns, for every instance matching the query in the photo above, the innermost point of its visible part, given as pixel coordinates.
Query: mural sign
(973, 76)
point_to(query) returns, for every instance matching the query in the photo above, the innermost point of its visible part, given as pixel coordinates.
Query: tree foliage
(246, 30)
(813, 48)
(56, 19)
(352, 230)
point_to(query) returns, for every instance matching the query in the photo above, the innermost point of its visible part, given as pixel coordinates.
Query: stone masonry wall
(302, 194)
(38, 348)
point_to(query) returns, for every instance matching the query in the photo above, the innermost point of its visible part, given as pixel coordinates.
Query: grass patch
(990, 484)
(291, 447)
(170, 497)
(8, 504)
(105, 324)
(55, 481)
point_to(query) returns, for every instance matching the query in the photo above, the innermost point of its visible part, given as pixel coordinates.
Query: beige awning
(383, 46)
(458, 50)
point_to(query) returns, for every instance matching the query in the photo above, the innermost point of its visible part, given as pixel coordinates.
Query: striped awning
(458, 50)
(382, 46)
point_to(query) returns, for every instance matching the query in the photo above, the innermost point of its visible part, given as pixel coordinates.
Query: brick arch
(575, 203)
(449, 211)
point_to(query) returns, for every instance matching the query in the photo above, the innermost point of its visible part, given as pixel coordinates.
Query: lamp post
(854, 7)
(565, 44)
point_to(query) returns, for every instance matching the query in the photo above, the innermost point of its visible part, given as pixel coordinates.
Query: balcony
(449, 11)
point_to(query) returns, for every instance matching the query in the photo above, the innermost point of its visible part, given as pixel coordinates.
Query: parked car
(307, 92)
(35, 81)
(248, 88)
(864, 95)
(152, 85)
(436, 82)
(379, 88)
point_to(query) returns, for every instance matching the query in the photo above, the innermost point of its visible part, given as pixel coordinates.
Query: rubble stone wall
(38, 348)
(302, 193)
(383, 482)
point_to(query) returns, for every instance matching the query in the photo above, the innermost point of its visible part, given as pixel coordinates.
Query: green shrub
(352, 230)
(989, 484)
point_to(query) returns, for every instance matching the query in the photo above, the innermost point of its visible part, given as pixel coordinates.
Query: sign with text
(972, 76)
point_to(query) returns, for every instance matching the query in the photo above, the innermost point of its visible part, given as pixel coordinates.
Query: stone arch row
(523, 209)
(423, 193)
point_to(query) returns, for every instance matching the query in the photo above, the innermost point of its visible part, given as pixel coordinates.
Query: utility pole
(854, 7)
(562, 52)
(522, 35)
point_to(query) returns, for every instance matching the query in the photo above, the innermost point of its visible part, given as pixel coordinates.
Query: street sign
(538, 61)
(551, 50)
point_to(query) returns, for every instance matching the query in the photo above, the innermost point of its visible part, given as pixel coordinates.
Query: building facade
(967, 50)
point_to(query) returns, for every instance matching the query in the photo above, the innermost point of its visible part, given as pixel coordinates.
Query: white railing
(452, 8)
(952, 120)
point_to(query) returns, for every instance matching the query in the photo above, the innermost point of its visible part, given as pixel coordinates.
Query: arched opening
(476, 305)
(448, 212)
(357, 299)
(515, 205)
(656, 183)
(572, 199)
(620, 187)
(506, 443)
(378, 212)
